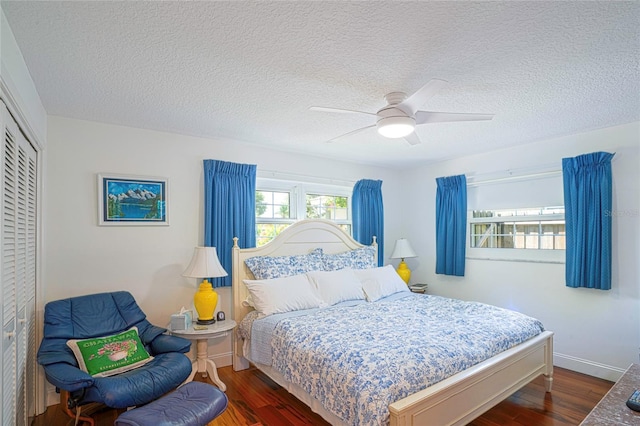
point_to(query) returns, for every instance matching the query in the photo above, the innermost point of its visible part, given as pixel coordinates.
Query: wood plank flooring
(255, 400)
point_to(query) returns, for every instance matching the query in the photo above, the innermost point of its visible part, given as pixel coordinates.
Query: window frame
(298, 199)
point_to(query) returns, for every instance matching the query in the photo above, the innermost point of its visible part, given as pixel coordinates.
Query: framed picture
(132, 200)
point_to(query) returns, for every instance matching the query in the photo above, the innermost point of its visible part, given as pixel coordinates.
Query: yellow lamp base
(404, 271)
(205, 301)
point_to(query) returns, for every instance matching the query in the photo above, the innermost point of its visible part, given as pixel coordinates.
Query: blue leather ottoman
(192, 404)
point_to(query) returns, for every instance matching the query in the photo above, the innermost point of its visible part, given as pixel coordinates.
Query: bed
(456, 399)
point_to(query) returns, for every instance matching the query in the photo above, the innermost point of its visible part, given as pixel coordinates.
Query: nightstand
(203, 364)
(418, 288)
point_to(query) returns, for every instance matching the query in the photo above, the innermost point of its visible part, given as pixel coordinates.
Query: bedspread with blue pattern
(358, 359)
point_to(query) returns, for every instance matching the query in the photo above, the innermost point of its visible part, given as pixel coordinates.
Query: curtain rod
(272, 174)
(518, 177)
(524, 173)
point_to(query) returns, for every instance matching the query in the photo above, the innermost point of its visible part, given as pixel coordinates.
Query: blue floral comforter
(358, 359)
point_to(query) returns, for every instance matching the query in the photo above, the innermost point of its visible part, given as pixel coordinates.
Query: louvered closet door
(19, 184)
(30, 286)
(9, 208)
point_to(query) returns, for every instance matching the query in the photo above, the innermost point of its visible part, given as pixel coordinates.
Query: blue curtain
(229, 210)
(587, 204)
(451, 225)
(368, 214)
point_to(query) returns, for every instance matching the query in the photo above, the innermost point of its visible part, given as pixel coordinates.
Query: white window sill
(517, 255)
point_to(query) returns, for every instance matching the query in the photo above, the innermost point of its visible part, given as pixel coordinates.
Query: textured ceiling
(249, 71)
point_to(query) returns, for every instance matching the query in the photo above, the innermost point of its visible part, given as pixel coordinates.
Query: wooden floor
(257, 401)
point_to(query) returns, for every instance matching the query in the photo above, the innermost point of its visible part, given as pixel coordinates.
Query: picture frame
(129, 200)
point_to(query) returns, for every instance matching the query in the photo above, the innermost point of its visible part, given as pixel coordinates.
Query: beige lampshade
(403, 250)
(204, 264)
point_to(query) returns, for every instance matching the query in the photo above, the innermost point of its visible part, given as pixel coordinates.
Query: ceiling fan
(399, 118)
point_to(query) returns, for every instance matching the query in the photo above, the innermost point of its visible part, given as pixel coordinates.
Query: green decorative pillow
(109, 355)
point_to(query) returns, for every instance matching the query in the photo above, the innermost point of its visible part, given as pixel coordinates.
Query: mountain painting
(133, 201)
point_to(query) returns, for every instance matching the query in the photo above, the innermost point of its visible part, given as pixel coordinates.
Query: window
(330, 207)
(534, 235)
(532, 228)
(273, 214)
(281, 203)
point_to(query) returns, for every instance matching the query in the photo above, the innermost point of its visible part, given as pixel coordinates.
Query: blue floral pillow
(361, 258)
(265, 267)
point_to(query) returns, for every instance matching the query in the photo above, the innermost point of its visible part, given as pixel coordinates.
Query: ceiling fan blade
(413, 138)
(352, 132)
(415, 101)
(339, 110)
(423, 117)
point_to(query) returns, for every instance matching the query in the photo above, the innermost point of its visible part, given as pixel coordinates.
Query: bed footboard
(465, 396)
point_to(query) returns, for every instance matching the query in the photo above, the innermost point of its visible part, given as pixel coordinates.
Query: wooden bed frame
(456, 400)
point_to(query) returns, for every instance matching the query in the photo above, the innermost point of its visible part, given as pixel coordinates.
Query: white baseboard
(52, 396)
(222, 360)
(584, 366)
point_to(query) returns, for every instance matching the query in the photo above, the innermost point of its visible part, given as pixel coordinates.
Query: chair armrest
(149, 332)
(165, 344)
(62, 356)
(67, 377)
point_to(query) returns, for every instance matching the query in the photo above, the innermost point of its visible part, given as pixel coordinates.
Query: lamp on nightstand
(403, 250)
(205, 264)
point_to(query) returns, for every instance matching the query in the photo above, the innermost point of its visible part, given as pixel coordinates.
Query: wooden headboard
(299, 238)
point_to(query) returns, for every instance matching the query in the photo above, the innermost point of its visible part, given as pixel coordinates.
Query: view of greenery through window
(276, 210)
(327, 207)
(273, 214)
(536, 228)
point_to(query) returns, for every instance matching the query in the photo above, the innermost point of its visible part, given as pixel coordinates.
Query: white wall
(82, 257)
(18, 89)
(596, 332)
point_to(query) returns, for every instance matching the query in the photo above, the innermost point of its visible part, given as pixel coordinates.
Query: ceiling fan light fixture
(398, 119)
(396, 127)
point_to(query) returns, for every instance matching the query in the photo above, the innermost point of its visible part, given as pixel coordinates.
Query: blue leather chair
(102, 315)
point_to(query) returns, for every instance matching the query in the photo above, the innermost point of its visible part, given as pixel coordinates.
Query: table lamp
(205, 264)
(403, 250)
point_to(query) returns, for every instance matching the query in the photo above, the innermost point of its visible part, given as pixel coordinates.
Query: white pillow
(248, 302)
(280, 295)
(380, 282)
(337, 286)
